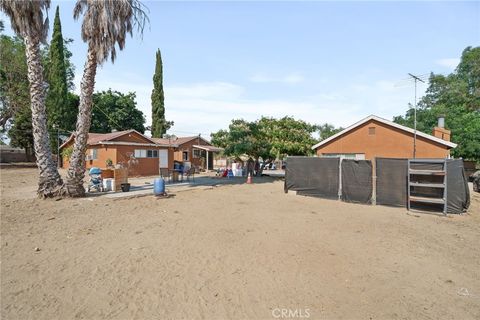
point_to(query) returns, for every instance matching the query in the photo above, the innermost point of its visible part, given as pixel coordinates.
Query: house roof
(389, 123)
(178, 141)
(99, 138)
(208, 148)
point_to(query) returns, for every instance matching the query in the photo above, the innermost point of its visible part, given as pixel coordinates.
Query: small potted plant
(129, 165)
(109, 163)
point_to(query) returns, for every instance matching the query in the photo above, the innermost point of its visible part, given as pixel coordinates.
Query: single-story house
(377, 137)
(122, 146)
(195, 151)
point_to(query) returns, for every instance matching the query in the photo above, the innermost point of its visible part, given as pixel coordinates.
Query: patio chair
(165, 174)
(190, 173)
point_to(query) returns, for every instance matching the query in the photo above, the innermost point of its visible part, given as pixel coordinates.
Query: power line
(106, 115)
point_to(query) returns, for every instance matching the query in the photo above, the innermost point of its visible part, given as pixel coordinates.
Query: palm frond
(26, 17)
(107, 23)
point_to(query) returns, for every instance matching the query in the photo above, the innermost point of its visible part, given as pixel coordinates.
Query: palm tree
(27, 21)
(105, 24)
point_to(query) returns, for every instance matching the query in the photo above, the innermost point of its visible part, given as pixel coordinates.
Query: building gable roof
(389, 123)
(98, 138)
(179, 140)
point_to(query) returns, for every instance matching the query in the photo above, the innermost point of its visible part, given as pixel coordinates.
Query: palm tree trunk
(76, 171)
(50, 183)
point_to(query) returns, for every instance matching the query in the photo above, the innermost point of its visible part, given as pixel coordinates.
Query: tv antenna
(416, 79)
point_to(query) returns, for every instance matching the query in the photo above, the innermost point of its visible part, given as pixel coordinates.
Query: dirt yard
(237, 252)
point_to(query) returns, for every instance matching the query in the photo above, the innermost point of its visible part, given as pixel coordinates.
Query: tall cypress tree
(159, 124)
(60, 117)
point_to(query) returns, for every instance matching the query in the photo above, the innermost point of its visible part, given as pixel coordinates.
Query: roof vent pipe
(441, 121)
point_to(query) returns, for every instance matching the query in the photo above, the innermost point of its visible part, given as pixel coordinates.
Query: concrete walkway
(144, 186)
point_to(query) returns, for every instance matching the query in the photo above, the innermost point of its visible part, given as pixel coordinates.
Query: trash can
(125, 187)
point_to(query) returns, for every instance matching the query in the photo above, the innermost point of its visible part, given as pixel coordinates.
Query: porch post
(207, 161)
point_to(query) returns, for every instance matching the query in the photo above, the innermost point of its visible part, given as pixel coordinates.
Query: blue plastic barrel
(159, 186)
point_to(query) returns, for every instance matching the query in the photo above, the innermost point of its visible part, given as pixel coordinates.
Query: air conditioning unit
(89, 157)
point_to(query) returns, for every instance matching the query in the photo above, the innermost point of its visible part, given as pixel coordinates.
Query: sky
(334, 62)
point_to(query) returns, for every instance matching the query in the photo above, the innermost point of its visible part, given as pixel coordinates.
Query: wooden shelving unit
(412, 173)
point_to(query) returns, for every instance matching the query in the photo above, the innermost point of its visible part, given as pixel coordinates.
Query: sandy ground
(238, 252)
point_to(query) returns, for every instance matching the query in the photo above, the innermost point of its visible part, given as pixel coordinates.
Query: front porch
(205, 155)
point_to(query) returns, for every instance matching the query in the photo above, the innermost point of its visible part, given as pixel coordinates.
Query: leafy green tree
(20, 133)
(159, 124)
(242, 138)
(457, 97)
(266, 138)
(15, 97)
(115, 110)
(327, 130)
(287, 136)
(14, 91)
(27, 20)
(69, 66)
(59, 113)
(468, 73)
(14, 87)
(15, 113)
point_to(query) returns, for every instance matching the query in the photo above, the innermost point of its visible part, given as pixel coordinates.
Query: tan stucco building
(120, 147)
(195, 150)
(377, 137)
(150, 154)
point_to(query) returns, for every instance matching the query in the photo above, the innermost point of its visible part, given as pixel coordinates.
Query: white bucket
(108, 184)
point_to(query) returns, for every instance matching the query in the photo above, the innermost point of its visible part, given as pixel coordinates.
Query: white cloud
(204, 112)
(214, 90)
(450, 63)
(292, 78)
(207, 107)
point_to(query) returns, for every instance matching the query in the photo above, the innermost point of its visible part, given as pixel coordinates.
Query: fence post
(340, 178)
(374, 181)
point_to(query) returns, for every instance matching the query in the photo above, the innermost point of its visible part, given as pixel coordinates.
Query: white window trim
(199, 154)
(351, 156)
(93, 154)
(143, 153)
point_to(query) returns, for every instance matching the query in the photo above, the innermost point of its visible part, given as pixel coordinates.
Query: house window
(371, 131)
(152, 153)
(93, 154)
(196, 153)
(139, 153)
(185, 155)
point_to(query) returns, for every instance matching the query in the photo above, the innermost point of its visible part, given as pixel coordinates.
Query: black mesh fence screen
(312, 176)
(357, 181)
(458, 194)
(391, 186)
